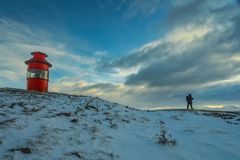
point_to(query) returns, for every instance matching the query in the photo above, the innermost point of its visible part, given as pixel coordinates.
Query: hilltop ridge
(45, 126)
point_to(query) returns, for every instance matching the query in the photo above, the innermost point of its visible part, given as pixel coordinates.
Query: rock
(75, 120)
(25, 150)
(67, 114)
(76, 154)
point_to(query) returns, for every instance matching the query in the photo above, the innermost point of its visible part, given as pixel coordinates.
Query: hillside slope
(49, 126)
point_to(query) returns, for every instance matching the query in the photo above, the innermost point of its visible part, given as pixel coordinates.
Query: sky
(146, 54)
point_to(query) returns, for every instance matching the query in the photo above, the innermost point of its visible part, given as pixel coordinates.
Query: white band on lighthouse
(37, 73)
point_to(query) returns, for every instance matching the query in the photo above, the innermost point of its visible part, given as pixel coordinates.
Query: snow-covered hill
(55, 126)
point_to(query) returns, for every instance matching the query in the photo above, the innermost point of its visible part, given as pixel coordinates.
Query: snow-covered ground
(39, 126)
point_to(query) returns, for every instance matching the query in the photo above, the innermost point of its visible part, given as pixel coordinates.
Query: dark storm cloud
(140, 57)
(209, 62)
(229, 92)
(188, 69)
(194, 68)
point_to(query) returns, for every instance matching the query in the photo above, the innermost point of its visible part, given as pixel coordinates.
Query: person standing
(189, 99)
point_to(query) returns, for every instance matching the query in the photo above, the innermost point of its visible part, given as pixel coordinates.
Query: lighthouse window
(34, 73)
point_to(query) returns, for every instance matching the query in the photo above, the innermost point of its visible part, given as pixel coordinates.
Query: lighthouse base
(37, 84)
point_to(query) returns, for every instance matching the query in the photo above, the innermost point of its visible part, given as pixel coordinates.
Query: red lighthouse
(37, 73)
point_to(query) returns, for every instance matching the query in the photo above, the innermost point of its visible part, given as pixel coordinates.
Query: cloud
(219, 107)
(227, 92)
(201, 51)
(135, 96)
(196, 67)
(18, 40)
(109, 91)
(182, 14)
(187, 50)
(175, 42)
(131, 9)
(142, 8)
(194, 11)
(73, 85)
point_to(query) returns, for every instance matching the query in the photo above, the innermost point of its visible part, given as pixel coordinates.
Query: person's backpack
(187, 98)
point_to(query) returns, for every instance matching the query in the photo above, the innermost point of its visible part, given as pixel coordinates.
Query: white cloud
(189, 33)
(235, 57)
(215, 106)
(101, 53)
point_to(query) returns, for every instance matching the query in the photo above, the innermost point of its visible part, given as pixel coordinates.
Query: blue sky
(88, 25)
(143, 53)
